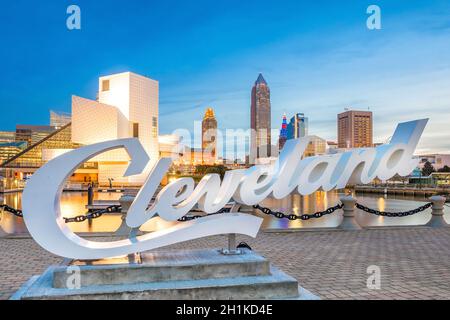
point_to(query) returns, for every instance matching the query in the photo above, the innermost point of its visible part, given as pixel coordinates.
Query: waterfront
(73, 204)
(331, 264)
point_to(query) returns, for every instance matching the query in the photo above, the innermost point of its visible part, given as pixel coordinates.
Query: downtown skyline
(314, 63)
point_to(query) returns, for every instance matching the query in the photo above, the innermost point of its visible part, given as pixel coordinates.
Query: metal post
(90, 195)
(349, 222)
(125, 202)
(232, 250)
(437, 213)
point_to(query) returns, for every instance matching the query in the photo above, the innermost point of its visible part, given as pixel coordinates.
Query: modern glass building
(297, 126)
(10, 149)
(59, 119)
(23, 164)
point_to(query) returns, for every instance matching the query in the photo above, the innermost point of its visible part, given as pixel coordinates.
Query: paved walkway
(414, 262)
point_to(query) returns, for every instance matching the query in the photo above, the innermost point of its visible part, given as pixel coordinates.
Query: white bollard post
(349, 222)
(437, 213)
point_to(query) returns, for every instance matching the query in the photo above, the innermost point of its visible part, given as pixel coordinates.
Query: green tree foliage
(427, 169)
(205, 169)
(444, 169)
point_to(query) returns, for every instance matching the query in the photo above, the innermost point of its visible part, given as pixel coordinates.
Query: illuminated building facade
(7, 136)
(209, 137)
(32, 134)
(59, 119)
(27, 161)
(10, 149)
(127, 107)
(316, 147)
(355, 129)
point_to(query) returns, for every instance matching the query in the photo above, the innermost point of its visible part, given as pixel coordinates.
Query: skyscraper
(283, 133)
(209, 137)
(260, 145)
(355, 129)
(297, 127)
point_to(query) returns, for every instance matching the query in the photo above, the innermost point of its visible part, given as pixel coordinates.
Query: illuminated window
(105, 85)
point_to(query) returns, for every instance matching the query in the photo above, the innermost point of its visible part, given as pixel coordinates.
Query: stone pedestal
(187, 274)
(437, 213)
(349, 221)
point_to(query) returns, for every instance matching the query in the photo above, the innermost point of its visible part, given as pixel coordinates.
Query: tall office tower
(59, 119)
(127, 107)
(355, 129)
(260, 145)
(297, 127)
(283, 133)
(209, 137)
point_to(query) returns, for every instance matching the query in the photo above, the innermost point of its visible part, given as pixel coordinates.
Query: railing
(348, 205)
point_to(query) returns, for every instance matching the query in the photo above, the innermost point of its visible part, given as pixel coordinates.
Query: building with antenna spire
(260, 144)
(209, 137)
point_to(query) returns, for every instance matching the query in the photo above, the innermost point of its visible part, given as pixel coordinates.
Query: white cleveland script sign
(41, 197)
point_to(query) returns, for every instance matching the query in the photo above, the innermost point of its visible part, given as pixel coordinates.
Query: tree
(427, 169)
(444, 169)
(220, 169)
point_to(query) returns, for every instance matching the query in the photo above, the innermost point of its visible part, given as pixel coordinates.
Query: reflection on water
(73, 204)
(320, 201)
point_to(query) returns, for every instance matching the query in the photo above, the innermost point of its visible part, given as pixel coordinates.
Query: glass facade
(32, 157)
(297, 127)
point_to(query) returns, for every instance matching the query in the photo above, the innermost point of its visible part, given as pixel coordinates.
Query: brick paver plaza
(414, 262)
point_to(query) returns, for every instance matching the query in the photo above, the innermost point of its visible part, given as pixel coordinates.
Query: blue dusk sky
(318, 58)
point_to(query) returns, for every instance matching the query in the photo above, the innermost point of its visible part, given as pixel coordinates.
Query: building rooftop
(261, 80)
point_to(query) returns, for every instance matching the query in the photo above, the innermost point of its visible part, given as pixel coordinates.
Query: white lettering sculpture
(41, 197)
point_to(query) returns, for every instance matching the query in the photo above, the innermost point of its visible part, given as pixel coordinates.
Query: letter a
(374, 20)
(74, 20)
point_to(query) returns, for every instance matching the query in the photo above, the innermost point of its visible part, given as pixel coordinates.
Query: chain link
(94, 214)
(16, 212)
(292, 217)
(80, 218)
(393, 214)
(189, 218)
(267, 211)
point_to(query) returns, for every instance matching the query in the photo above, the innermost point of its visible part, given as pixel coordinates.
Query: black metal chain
(394, 214)
(94, 214)
(16, 212)
(189, 218)
(282, 215)
(267, 211)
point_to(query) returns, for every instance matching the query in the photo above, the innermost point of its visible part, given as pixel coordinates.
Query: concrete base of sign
(193, 274)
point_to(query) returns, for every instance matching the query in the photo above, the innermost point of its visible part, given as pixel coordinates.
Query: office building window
(135, 130)
(155, 122)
